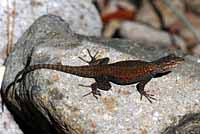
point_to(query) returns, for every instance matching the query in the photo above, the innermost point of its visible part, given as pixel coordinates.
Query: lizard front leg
(140, 87)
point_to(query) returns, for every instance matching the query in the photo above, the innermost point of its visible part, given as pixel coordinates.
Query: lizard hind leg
(95, 92)
(99, 84)
(94, 60)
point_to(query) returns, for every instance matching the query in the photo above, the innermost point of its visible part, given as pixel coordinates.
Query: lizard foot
(95, 92)
(147, 95)
(93, 58)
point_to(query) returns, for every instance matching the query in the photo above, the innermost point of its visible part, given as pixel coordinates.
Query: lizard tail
(83, 71)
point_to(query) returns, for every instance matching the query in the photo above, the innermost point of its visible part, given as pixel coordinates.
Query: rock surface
(189, 124)
(57, 104)
(81, 15)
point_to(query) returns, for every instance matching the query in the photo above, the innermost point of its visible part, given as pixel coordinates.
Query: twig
(10, 26)
(13, 25)
(159, 14)
(183, 18)
(163, 24)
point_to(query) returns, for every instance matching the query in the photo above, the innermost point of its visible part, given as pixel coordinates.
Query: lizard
(121, 73)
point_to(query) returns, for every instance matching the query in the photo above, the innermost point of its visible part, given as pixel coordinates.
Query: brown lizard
(121, 73)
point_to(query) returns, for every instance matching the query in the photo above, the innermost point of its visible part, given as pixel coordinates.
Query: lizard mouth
(173, 63)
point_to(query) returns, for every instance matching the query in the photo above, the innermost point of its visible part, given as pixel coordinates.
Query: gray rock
(51, 101)
(81, 15)
(189, 124)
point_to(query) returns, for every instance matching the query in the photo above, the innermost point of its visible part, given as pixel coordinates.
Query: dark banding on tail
(83, 71)
(57, 67)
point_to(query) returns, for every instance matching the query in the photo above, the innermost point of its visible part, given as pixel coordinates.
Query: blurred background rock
(172, 24)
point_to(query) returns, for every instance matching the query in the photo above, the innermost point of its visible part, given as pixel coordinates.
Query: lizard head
(166, 63)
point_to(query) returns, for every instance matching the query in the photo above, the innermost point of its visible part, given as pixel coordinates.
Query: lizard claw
(95, 93)
(147, 95)
(93, 58)
(84, 85)
(84, 60)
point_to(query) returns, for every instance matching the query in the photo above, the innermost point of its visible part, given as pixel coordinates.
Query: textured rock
(189, 124)
(57, 104)
(81, 15)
